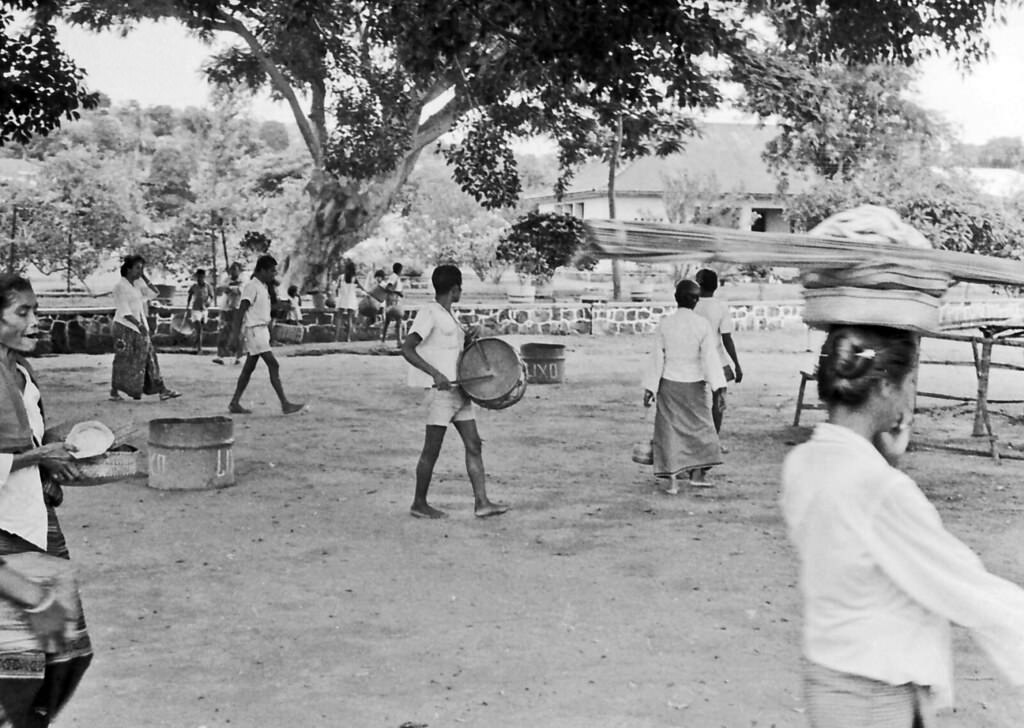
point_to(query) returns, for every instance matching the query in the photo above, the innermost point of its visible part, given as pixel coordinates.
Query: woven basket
(287, 333)
(898, 309)
(110, 466)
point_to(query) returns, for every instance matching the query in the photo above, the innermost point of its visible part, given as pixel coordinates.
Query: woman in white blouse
(46, 647)
(136, 370)
(881, 579)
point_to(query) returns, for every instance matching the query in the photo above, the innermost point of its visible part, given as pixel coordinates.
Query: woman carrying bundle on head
(44, 647)
(880, 577)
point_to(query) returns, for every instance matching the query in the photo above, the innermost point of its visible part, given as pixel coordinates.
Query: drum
(492, 374)
(378, 293)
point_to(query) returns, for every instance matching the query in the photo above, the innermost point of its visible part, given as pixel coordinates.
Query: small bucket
(643, 453)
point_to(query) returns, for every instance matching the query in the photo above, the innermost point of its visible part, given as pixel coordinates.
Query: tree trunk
(613, 163)
(343, 212)
(71, 252)
(12, 257)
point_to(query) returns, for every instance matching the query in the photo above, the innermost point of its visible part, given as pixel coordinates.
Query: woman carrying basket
(432, 348)
(45, 648)
(881, 578)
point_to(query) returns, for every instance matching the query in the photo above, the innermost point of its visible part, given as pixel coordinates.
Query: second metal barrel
(545, 363)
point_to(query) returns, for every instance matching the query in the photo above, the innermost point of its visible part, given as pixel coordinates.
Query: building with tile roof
(723, 163)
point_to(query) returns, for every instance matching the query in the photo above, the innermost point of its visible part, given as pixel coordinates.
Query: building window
(578, 210)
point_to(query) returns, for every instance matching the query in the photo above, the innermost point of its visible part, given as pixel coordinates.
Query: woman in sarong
(684, 363)
(881, 579)
(44, 646)
(136, 369)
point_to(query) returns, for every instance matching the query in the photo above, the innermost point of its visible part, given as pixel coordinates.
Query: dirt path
(306, 596)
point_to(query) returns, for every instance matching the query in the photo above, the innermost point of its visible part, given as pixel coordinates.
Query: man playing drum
(432, 348)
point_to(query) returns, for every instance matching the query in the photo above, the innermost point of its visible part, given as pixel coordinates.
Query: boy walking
(432, 348)
(198, 305)
(254, 325)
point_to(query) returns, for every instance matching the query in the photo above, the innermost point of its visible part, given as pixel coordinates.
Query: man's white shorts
(198, 317)
(256, 340)
(444, 406)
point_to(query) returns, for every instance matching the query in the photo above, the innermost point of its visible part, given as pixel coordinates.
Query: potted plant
(535, 246)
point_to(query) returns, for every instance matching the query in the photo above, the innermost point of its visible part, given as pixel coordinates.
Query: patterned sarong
(684, 431)
(34, 685)
(841, 700)
(136, 371)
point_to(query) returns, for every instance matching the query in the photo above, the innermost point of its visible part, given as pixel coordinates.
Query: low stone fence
(89, 330)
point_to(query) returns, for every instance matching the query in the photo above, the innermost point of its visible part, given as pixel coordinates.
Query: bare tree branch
(312, 137)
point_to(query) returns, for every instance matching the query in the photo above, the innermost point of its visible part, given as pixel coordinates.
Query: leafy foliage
(943, 205)
(540, 242)
(835, 119)
(40, 85)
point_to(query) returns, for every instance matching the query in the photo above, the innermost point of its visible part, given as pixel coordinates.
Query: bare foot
(290, 408)
(490, 509)
(237, 409)
(425, 511)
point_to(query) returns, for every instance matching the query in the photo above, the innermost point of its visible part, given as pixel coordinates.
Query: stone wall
(88, 330)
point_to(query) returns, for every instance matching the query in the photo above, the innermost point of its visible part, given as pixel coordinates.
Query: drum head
(497, 358)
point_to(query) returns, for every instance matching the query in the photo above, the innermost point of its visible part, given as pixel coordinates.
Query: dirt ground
(306, 596)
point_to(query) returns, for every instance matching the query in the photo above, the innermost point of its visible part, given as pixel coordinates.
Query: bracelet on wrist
(49, 597)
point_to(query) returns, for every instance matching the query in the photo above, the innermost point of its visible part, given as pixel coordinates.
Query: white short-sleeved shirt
(257, 294)
(441, 346)
(394, 281)
(720, 318)
(880, 576)
(22, 510)
(128, 301)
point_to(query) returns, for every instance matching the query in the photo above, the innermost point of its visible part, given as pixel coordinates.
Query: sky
(158, 63)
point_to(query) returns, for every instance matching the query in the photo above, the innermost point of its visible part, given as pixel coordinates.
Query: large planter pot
(521, 293)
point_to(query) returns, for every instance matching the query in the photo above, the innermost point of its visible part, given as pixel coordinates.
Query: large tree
(383, 79)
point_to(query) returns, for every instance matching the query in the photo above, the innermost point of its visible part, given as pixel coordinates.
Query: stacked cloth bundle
(878, 292)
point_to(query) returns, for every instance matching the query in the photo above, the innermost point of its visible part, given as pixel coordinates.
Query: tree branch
(313, 139)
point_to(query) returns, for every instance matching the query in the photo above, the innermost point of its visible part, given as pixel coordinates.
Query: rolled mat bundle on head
(881, 292)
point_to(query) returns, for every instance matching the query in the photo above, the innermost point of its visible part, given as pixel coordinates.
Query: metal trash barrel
(191, 453)
(545, 363)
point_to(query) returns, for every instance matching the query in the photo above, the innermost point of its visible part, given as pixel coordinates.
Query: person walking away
(432, 349)
(294, 306)
(227, 343)
(136, 370)
(880, 577)
(254, 329)
(393, 311)
(200, 294)
(683, 364)
(46, 645)
(346, 300)
(720, 318)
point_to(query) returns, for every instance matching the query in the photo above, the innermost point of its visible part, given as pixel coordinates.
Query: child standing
(198, 304)
(295, 305)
